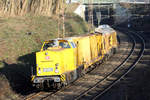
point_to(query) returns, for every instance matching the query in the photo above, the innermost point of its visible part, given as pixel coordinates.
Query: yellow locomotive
(63, 60)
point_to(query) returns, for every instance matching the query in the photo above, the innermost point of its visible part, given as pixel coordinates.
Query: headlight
(46, 53)
(57, 64)
(39, 71)
(36, 81)
(56, 68)
(56, 71)
(56, 79)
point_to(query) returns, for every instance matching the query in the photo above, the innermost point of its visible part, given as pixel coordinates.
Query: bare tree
(35, 7)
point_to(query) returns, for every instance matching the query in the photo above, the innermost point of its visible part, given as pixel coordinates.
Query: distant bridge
(132, 2)
(103, 2)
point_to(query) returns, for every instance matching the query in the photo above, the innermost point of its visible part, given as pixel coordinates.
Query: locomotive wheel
(114, 50)
(83, 73)
(39, 86)
(57, 85)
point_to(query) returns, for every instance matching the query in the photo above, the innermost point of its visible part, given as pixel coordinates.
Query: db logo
(47, 57)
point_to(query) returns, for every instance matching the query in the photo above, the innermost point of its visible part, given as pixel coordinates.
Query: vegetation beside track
(6, 92)
(22, 35)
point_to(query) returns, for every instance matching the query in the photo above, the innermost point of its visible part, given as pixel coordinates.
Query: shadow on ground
(19, 75)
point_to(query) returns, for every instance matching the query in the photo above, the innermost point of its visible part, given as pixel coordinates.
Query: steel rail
(39, 94)
(44, 93)
(44, 97)
(30, 97)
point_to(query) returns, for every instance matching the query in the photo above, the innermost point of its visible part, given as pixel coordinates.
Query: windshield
(64, 44)
(61, 44)
(47, 45)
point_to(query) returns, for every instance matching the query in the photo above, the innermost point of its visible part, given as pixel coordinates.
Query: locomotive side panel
(69, 65)
(68, 60)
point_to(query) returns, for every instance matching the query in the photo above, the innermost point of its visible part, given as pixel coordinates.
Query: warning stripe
(62, 77)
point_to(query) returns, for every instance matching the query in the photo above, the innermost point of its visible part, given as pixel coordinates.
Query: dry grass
(5, 90)
(15, 38)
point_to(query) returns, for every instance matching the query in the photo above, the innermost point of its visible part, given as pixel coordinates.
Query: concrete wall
(80, 11)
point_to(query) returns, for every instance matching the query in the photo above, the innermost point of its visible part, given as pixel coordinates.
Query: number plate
(47, 69)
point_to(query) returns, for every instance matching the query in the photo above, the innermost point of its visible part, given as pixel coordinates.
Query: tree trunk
(35, 7)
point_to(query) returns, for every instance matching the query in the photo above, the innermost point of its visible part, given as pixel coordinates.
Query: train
(63, 60)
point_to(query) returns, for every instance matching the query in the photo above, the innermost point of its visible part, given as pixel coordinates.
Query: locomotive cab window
(64, 45)
(73, 45)
(56, 44)
(47, 45)
(50, 44)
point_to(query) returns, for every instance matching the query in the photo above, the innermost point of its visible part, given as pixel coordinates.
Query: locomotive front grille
(42, 79)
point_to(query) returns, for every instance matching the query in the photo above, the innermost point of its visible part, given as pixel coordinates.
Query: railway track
(39, 95)
(113, 78)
